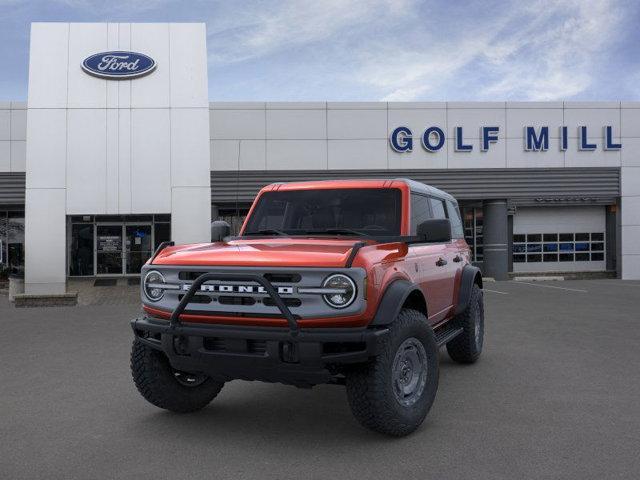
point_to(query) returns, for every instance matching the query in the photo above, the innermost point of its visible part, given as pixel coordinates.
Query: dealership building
(118, 148)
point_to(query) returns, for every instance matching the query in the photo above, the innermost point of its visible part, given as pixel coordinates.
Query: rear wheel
(394, 392)
(467, 347)
(163, 386)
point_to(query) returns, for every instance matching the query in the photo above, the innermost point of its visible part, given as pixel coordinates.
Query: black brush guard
(174, 321)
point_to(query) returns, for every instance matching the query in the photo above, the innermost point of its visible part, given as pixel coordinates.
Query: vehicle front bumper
(272, 354)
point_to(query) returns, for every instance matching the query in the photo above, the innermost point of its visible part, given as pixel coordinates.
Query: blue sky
(377, 49)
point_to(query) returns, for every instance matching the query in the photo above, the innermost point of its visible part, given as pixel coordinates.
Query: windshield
(353, 211)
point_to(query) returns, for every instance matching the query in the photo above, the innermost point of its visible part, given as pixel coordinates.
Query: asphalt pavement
(556, 395)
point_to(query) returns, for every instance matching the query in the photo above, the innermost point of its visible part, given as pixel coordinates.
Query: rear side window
(419, 211)
(437, 207)
(454, 217)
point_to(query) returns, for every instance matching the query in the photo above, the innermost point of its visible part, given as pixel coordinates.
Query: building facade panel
(5, 123)
(153, 91)
(630, 122)
(48, 58)
(189, 88)
(85, 91)
(302, 154)
(629, 156)
(357, 154)
(189, 144)
(296, 124)
(151, 160)
(5, 156)
(86, 187)
(45, 241)
(47, 151)
(343, 124)
(241, 124)
(18, 124)
(18, 156)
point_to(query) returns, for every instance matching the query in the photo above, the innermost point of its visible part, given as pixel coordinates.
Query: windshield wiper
(337, 231)
(267, 231)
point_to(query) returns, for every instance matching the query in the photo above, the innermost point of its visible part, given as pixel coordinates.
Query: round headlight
(152, 285)
(343, 291)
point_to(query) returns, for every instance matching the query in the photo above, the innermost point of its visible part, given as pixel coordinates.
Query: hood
(264, 252)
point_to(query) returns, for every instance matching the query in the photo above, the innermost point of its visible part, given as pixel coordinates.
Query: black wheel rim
(409, 372)
(189, 379)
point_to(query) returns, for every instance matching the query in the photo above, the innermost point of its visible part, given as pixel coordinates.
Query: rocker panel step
(447, 334)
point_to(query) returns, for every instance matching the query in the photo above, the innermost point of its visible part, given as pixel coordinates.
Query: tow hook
(181, 345)
(289, 352)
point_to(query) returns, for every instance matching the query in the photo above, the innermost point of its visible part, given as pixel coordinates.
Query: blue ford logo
(118, 65)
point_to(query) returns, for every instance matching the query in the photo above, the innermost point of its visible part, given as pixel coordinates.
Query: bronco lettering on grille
(282, 290)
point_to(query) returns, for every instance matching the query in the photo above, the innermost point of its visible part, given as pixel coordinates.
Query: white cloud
(254, 33)
(544, 51)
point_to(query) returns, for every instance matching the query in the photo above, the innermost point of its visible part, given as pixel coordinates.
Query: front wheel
(163, 386)
(394, 392)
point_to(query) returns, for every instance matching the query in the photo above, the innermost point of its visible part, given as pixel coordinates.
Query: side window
(419, 211)
(456, 223)
(437, 206)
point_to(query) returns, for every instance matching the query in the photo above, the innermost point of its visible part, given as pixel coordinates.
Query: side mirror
(219, 230)
(435, 230)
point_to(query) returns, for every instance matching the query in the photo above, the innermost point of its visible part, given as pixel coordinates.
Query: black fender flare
(392, 300)
(470, 276)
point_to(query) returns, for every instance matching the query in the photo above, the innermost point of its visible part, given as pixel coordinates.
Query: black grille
(343, 347)
(198, 299)
(217, 344)
(258, 347)
(283, 277)
(274, 277)
(214, 344)
(289, 302)
(226, 300)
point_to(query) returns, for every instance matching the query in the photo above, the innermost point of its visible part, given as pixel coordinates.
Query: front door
(109, 259)
(138, 247)
(122, 249)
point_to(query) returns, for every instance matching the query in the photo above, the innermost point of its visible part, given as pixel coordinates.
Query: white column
(630, 223)
(630, 191)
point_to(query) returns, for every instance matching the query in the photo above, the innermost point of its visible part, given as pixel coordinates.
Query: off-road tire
(465, 348)
(155, 380)
(370, 387)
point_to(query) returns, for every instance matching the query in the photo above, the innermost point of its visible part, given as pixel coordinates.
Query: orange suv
(350, 282)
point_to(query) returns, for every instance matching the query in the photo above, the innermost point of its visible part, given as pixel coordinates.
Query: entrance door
(109, 250)
(138, 247)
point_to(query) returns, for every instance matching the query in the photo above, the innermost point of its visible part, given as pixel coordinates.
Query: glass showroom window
(3, 244)
(558, 247)
(234, 217)
(12, 236)
(472, 218)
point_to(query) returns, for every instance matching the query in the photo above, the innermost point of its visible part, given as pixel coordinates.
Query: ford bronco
(349, 282)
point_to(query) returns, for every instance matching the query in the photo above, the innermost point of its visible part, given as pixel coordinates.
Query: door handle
(457, 258)
(441, 262)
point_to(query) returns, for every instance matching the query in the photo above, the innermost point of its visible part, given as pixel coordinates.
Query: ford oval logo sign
(118, 65)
